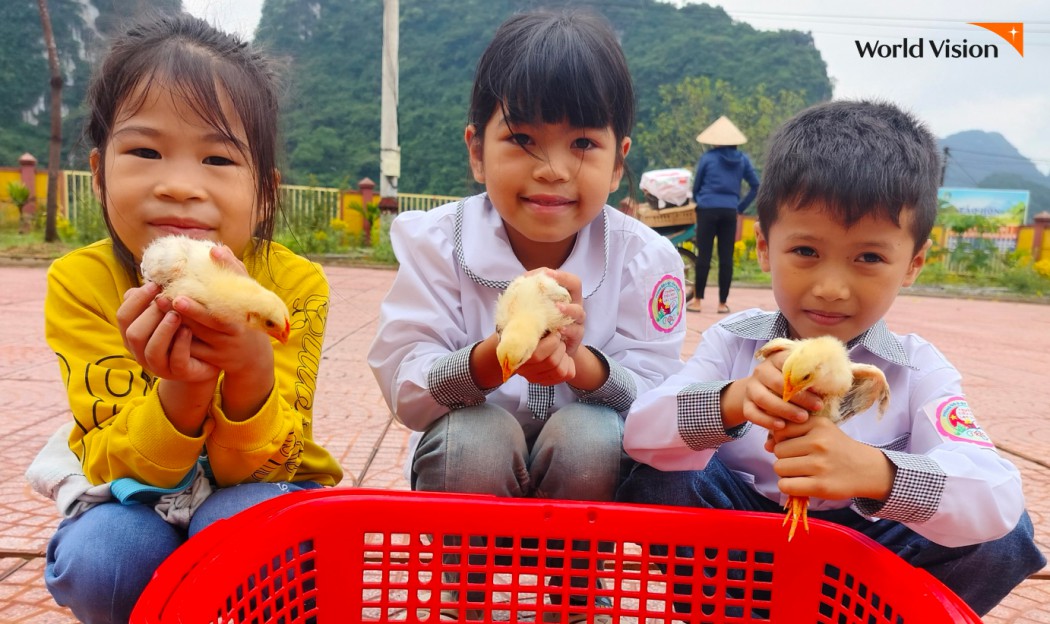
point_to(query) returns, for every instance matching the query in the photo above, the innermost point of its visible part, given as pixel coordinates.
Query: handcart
(356, 555)
(677, 224)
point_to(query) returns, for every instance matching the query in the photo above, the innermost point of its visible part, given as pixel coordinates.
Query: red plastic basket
(344, 555)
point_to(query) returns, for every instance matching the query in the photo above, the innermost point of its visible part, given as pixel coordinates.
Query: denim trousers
(576, 454)
(981, 574)
(99, 562)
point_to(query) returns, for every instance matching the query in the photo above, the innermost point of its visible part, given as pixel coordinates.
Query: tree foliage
(331, 119)
(80, 29)
(331, 50)
(691, 105)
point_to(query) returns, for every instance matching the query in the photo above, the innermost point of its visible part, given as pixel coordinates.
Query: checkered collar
(484, 253)
(878, 339)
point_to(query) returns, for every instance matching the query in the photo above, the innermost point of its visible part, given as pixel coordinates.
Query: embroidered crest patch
(665, 304)
(955, 421)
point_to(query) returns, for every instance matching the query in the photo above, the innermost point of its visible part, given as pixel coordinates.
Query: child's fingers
(138, 330)
(136, 300)
(792, 465)
(549, 363)
(157, 348)
(196, 315)
(760, 418)
(800, 486)
(790, 445)
(808, 401)
(573, 311)
(548, 346)
(570, 281)
(179, 356)
(222, 254)
(771, 408)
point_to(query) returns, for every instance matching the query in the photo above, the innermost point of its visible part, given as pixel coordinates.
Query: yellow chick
(184, 266)
(822, 366)
(525, 312)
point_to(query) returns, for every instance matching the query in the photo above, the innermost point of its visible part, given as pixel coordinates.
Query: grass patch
(31, 246)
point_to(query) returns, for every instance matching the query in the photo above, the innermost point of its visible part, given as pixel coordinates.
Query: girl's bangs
(554, 88)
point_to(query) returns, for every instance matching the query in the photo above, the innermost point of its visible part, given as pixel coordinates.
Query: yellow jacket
(121, 429)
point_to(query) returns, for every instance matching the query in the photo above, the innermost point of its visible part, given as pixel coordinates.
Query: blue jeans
(99, 562)
(981, 574)
(576, 454)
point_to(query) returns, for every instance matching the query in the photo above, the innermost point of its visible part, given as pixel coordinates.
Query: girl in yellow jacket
(166, 397)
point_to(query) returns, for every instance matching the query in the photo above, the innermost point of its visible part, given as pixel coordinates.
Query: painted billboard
(1009, 205)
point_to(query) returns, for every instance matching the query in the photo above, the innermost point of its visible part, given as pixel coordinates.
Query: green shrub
(382, 250)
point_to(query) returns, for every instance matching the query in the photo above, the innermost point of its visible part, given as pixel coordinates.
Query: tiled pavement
(1002, 349)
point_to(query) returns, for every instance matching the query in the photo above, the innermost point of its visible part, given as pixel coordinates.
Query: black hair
(200, 65)
(552, 67)
(853, 159)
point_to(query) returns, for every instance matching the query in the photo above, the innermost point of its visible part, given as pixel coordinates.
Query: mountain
(332, 120)
(987, 160)
(331, 50)
(80, 28)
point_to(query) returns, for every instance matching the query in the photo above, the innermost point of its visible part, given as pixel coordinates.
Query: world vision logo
(1011, 32)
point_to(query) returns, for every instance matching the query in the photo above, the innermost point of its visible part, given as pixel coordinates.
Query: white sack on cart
(670, 187)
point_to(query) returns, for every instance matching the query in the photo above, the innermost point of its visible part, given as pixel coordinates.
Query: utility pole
(944, 164)
(389, 150)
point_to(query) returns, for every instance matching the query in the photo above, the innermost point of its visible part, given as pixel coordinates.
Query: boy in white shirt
(845, 212)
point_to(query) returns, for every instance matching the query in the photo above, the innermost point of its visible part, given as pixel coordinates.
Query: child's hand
(817, 458)
(229, 346)
(223, 255)
(763, 402)
(550, 363)
(553, 360)
(157, 339)
(571, 335)
(244, 354)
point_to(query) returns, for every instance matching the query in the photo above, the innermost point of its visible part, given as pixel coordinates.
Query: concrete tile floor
(1002, 349)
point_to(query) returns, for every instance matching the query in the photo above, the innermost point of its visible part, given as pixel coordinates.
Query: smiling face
(837, 281)
(546, 180)
(167, 171)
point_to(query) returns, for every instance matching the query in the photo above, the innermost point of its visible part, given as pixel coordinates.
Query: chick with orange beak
(184, 266)
(822, 366)
(525, 313)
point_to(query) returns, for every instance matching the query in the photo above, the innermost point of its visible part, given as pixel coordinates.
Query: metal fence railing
(307, 206)
(80, 196)
(300, 203)
(418, 201)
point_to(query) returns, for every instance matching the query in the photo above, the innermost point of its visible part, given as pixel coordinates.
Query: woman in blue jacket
(716, 190)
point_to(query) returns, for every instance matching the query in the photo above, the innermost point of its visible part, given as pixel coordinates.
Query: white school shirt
(951, 486)
(455, 260)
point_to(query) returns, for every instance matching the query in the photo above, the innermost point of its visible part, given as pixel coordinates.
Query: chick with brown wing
(822, 366)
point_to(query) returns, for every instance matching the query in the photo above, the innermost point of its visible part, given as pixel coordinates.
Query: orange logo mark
(1011, 32)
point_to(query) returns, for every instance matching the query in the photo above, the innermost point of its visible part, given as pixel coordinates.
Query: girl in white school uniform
(547, 138)
(548, 131)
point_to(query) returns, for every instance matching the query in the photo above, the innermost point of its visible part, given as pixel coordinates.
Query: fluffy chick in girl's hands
(183, 266)
(525, 313)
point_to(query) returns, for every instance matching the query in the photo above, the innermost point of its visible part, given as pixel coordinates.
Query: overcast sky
(1009, 94)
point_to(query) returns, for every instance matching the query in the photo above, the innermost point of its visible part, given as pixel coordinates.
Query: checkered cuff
(451, 383)
(619, 390)
(916, 491)
(700, 416)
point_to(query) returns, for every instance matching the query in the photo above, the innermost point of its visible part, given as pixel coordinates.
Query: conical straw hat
(722, 132)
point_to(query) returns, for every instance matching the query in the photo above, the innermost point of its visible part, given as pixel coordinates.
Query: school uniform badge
(954, 420)
(665, 304)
